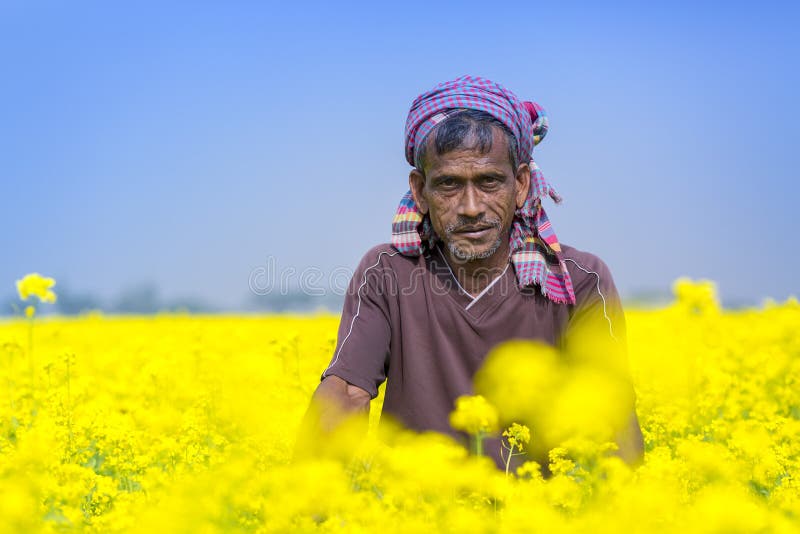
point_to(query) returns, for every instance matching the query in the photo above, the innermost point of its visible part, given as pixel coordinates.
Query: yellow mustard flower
(517, 435)
(34, 284)
(188, 422)
(697, 295)
(474, 415)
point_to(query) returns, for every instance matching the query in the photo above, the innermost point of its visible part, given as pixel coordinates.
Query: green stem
(30, 349)
(297, 362)
(32, 367)
(479, 444)
(69, 409)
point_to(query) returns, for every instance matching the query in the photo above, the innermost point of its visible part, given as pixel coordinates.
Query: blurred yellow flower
(474, 415)
(696, 295)
(520, 378)
(34, 284)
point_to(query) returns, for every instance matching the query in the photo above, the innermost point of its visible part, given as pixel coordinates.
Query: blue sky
(186, 144)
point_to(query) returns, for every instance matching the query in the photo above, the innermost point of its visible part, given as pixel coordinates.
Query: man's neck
(474, 276)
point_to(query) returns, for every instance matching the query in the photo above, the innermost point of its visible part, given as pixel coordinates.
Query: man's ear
(416, 182)
(523, 179)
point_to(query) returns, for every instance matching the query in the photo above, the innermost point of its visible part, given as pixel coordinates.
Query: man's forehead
(470, 154)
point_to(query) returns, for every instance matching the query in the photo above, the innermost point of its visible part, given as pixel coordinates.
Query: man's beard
(467, 255)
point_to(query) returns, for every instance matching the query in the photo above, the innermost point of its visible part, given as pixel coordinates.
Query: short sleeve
(362, 348)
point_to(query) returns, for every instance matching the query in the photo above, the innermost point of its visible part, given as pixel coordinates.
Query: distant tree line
(146, 299)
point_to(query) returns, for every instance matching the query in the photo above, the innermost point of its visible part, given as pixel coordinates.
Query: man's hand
(631, 443)
(334, 403)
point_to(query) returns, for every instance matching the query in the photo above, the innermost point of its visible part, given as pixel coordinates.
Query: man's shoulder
(582, 260)
(384, 268)
(380, 248)
(385, 255)
(586, 269)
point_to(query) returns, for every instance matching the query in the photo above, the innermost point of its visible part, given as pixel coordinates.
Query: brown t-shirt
(406, 320)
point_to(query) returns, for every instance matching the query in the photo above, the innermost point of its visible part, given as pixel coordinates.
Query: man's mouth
(473, 231)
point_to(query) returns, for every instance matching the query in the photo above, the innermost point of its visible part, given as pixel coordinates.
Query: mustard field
(188, 423)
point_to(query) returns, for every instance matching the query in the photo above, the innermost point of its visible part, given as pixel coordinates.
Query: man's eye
(447, 182)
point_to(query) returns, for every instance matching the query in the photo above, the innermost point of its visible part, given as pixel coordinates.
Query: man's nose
(471, 204)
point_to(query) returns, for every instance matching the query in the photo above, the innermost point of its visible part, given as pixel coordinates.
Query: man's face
(471, 197)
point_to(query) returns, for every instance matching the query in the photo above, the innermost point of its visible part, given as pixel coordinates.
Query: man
(473, 261)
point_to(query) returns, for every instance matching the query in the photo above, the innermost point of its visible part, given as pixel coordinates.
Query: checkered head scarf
(535, 251)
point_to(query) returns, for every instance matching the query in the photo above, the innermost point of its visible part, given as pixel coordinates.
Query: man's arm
(339, 408)
(596, 335)
(631, 442)
(333, 403)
